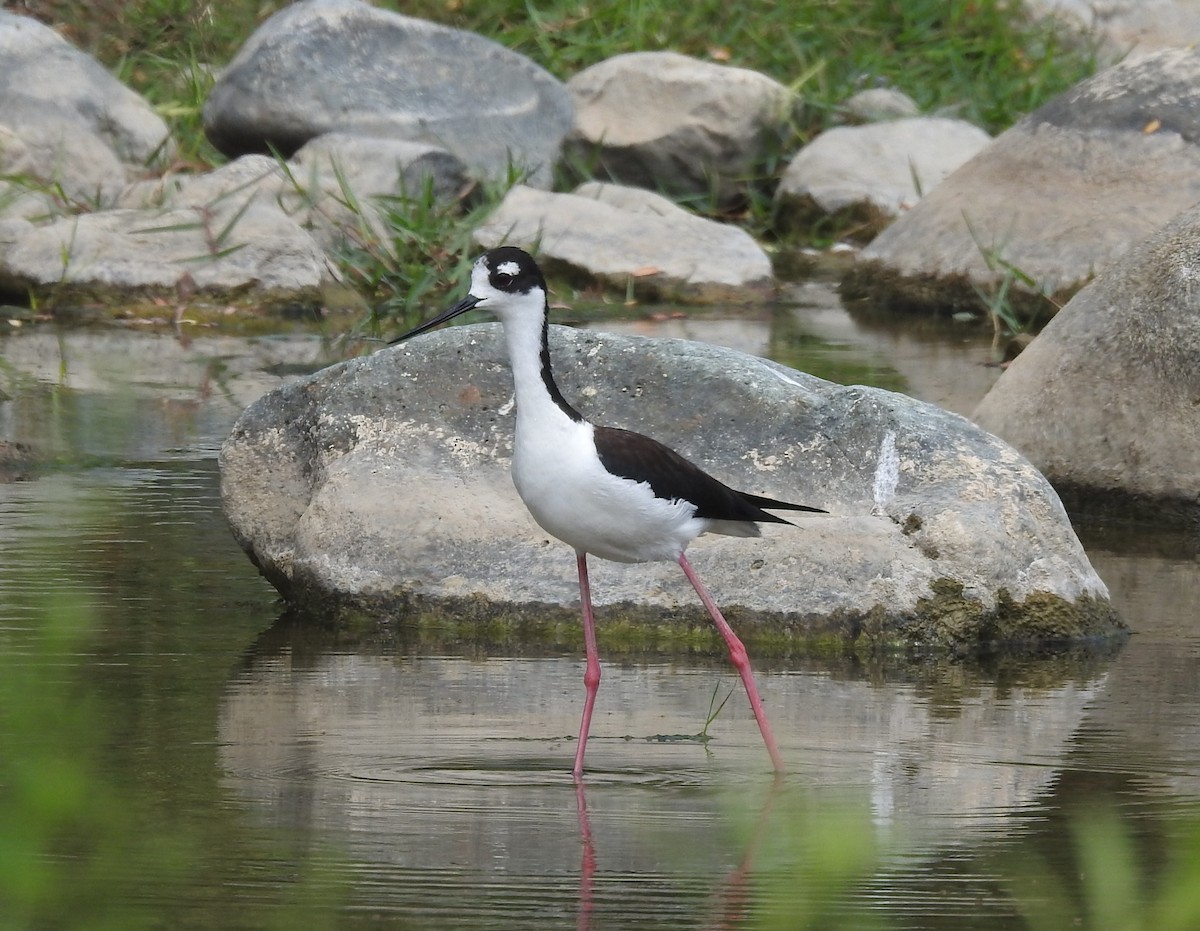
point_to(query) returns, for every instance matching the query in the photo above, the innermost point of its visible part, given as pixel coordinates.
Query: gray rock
(871, 174)
(629, 237)
(19, 201)
(317, 187)
(382, 483)
(249, 177)
(671, 123)
(66, 121)
(1106, 400)
(1126, 26)
(230, 247)
(12, 230)
(375, 174)
(878, 103)
(322, 66)
(50, 151)
(1059, 196)
(378, 167)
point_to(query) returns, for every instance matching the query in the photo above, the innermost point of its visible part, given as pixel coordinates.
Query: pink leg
(591, 675)
(737, 653)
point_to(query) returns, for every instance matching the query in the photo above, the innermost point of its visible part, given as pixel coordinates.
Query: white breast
(569, 493)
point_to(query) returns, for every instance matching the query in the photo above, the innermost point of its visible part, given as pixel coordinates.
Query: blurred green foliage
(111, 811)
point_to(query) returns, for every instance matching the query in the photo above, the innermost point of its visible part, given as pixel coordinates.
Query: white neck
(534, 401)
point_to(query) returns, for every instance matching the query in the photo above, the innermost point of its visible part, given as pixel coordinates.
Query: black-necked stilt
(611, 493)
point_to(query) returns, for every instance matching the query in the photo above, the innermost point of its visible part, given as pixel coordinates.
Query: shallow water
(177, 751)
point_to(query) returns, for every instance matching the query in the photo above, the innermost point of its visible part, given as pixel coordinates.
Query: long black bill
(460, 308)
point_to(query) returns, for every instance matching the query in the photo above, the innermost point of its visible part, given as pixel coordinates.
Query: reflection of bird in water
(733, 898)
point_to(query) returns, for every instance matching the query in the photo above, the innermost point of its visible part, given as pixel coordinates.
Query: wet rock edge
(946, 623)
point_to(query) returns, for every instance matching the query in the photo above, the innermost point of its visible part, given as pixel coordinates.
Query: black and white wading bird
(611, 493)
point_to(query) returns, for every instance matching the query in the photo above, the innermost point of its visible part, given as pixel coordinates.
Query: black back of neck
(548, 375)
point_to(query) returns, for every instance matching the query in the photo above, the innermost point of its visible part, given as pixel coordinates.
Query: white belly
(572, 497)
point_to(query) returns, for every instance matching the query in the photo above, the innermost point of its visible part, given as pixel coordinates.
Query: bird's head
(506, 282)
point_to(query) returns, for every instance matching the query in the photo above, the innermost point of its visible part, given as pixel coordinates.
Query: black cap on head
(513, 270)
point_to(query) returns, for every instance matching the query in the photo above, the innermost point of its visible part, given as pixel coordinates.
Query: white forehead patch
(509, 268)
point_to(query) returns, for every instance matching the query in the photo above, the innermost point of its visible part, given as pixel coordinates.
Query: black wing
(670, 476)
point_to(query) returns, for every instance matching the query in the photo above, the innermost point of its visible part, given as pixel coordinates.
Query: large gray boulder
(668, 122)
(1058, 197)
(632, 239)
(66, 122)
(1106, 400)
(323, 66)
(382, 484)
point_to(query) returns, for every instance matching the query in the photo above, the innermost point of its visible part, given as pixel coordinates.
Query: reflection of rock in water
(977, 769)
(16, 459)
(937, 360)
(445, 758)
(1150, 711)
(227, 371)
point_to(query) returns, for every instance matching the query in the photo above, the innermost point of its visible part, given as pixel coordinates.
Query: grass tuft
(425, 254)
